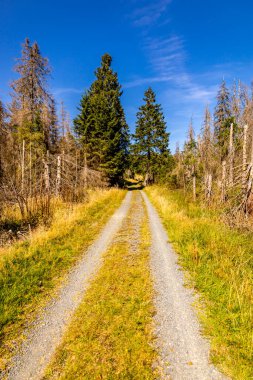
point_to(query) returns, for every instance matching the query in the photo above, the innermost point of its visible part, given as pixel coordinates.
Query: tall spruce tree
(151, 140)
(101, 124)
(83, 127)
(222, 120)
(31, 100)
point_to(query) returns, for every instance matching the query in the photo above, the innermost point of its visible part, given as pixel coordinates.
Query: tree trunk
(209, 187)
(244, 158)
(47, 174)
(85, 170)
(231, 156)
(76, 173)
(249, 200)
(194, 184)
(23, 167)
(30, 171)
(223, 182)
(194, 188)
(58, 176)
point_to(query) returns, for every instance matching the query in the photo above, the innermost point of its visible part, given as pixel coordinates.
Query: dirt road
(183, 352)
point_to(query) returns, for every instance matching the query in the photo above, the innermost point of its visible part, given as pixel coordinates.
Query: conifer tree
(151, 139)
(84, 130)
(222, 120)
(31, 102)
(101, 124)
(53, 128)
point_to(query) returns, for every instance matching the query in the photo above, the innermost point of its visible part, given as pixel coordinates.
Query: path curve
(184, 353)
(45, 335)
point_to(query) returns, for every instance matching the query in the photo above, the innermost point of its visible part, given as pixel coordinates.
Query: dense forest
(42, 156)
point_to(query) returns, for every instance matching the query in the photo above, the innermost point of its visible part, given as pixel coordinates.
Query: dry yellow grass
(31, 270)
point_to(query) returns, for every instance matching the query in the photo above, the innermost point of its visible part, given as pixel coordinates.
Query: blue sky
(182, 48)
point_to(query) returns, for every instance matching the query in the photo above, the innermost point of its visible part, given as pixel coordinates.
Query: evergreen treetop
(223, 119)
(101, 124)
(151, 139)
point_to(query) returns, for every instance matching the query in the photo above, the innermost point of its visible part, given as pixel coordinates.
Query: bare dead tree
(244, 158)
(231, 155)
(223, 181)
(58, 176)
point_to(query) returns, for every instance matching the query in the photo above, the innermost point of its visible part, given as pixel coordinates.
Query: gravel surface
(45, 334)
(184, 353)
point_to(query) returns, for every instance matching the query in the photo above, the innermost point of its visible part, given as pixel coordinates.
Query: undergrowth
(32, 269)
(219, 261)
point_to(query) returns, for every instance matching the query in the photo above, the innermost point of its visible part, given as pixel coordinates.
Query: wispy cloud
(166, 55)
(166, 58)
(146, 81)
(150, 13)
(168, 61)
(66, 90)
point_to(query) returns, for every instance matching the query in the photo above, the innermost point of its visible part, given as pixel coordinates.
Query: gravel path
(184, 353)
(47, 330)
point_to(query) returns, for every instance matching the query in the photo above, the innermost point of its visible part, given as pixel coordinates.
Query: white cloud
(149, 14)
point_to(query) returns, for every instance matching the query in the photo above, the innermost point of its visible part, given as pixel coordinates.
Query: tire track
(184, 352)
(46, 332)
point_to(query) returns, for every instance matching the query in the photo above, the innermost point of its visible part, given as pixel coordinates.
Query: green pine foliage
(151, 155)
(32, 111)
(223, 119)
(101, 125)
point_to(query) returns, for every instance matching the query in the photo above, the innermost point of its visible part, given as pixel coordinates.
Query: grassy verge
(219, 261)
(30, 270)
(110, 336)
